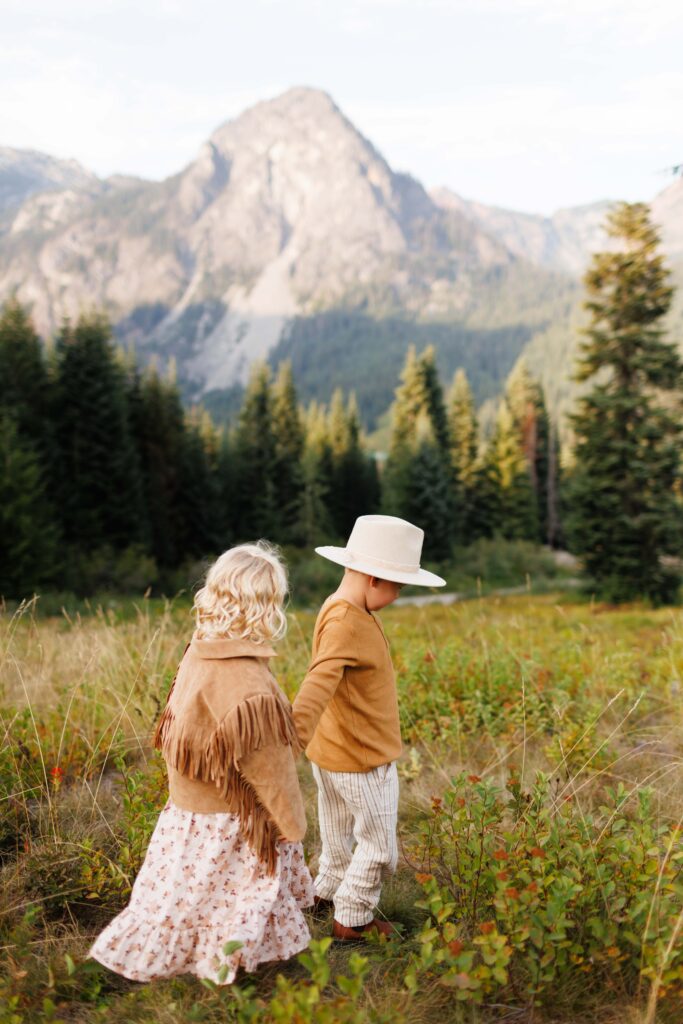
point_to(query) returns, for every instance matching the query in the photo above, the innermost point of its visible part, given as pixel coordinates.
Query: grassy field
(541, 819)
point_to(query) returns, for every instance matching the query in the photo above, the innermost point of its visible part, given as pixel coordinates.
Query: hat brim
(341, 556)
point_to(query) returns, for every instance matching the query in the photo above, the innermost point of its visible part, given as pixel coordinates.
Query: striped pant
(360, 807)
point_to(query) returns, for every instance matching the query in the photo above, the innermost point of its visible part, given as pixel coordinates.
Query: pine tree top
(628, 295)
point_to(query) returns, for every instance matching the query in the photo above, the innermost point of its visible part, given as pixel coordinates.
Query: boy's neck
(352, 589)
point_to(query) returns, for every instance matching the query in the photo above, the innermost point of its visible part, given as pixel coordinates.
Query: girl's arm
(272, 773)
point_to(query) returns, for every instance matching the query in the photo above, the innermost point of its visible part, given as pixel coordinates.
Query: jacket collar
(227, 648)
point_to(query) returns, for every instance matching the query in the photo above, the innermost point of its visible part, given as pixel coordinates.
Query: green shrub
(525, 890)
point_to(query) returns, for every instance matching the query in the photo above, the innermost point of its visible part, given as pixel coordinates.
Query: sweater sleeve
(271, 771)
(336, 652)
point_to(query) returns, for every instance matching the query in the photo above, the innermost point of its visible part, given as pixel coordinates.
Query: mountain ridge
(288, 217)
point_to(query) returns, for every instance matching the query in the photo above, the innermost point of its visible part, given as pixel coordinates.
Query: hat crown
(387, 541)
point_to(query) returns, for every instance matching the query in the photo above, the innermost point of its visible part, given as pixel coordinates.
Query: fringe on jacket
(255, 722)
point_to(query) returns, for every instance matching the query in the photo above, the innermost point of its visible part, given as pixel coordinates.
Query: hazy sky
(530, 104)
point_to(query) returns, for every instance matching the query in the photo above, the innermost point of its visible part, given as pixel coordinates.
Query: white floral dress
(200, 887)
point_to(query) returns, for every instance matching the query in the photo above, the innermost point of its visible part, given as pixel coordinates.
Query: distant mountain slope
(560, 242)
(289, 236)
(286, 211)
(565, 240)
(24, 172)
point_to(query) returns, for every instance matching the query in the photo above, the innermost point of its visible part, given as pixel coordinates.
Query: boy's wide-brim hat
(385, 547)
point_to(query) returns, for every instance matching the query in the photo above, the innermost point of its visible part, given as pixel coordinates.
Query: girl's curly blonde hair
(243, 596)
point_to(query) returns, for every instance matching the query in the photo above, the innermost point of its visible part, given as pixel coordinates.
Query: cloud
(624, 21)
(112, 122)
(541, 143)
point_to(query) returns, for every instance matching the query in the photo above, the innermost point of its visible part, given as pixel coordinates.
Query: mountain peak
(299, 114)
(302, 97)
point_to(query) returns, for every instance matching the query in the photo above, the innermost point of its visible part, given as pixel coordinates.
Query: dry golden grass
(588, 693)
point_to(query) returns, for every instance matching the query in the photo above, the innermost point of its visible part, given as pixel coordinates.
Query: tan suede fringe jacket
(229, 743)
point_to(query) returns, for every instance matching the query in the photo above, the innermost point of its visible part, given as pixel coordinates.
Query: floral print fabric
(199, 887)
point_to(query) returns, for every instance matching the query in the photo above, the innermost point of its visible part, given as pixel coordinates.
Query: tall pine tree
(100, 488)
(315, 521)
(28, 546)
(518, 509)
(464, 433)
(255, 497)
(353, 486)
(420, 449)
(624, 511)
(28, 537)
(526, 402)
(24, 383)
(288, 432)
(157, 426)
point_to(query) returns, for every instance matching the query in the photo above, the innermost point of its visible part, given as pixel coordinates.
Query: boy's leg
(336, 832)
(373, 798)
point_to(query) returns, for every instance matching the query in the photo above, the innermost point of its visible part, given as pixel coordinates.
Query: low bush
(526, 891)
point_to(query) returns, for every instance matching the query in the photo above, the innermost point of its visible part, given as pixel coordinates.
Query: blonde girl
(225, 862)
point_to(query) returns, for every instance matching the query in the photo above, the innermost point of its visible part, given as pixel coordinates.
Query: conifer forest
(107, 480)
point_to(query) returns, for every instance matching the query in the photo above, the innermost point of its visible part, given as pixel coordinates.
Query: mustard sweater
(346, 711)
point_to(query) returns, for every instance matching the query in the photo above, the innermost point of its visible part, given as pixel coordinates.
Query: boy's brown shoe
(342, 933)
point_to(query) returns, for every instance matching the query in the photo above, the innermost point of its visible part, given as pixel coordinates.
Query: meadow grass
(540, 820)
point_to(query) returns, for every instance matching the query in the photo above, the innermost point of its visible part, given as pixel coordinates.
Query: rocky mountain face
(566, 240)
(24, 172)
(286, 210)
(290, 236)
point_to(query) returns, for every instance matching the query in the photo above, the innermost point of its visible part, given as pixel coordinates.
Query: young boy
(346, 716)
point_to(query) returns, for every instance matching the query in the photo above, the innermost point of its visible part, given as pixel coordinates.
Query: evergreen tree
(464, 432)
(25, 391)
(554, 530)
(24, 384)
(361, 467)
(518, 505)
(488, 508)
(288, 433)
(28, 538)
(99, 474)
(157, 427)
(256, 499)
(526, 402)
(434, 400)
(624, 512)
(420, 428)
(428, 498)
(409, 402)
(353, 487)
(226, 521)
(315, 523)
(197, 497)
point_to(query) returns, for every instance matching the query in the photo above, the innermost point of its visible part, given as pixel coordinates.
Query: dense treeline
(106, 480)
(440, 475)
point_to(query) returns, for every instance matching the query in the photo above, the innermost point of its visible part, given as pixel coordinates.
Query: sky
(528, 104)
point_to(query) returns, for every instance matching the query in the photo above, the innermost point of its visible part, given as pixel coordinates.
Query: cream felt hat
(385, 547)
